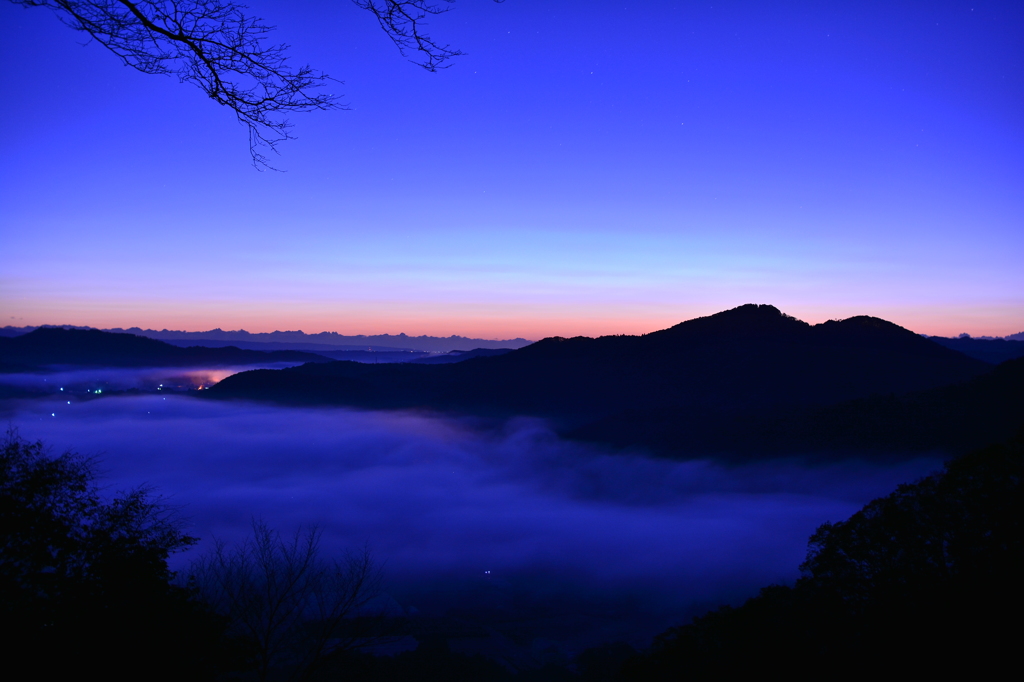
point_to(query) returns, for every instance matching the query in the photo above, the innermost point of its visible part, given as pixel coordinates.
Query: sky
(588, 167)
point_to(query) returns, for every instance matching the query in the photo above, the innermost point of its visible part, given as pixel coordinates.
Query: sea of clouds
(79, 380)
(473, 520)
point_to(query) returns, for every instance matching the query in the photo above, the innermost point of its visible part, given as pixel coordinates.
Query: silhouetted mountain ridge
(989, 350)
(721, 368)
(952, 419)
(90, 347)
(746, 321)
(298, 340)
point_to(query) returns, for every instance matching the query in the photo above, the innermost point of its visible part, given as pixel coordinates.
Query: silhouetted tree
(214, 45)
(431, 661)
(404, 22)
(602, 662)
(294, 606)
(84, 583)
(924, 581)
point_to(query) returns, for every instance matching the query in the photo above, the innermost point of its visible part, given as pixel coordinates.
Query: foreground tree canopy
(84, 583)
(923, 581)
(85, 586)
(216, 46)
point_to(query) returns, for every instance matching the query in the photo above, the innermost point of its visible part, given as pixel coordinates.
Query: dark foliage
(925, 581)
(431, 661)
(602, 663)
(84, 583)
(294, 608)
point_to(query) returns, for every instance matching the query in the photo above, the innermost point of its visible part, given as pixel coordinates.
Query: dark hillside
(989, 350)
(461, 356)
(48, 346)
(921, 583)
(751, 358)
(952, 419)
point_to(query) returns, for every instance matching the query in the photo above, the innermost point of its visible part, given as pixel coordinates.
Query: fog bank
(471, 521)
(79, 379)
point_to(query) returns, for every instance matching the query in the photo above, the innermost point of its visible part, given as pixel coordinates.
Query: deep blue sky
(589, 167)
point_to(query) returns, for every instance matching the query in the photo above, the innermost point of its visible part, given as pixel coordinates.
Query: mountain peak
(749, 319)
(867, 329)
(752, 311)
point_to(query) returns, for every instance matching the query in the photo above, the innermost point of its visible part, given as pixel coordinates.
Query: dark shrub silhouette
(294, 608)
(431, 661)
(924, 581)
(84, 583)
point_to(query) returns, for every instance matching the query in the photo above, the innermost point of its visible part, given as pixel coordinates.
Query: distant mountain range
(297, 340)
(989, 350)
(724, 383)
(48, 346)
(746, 382)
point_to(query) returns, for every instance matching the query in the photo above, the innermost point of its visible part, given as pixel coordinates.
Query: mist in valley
(80, 380)
(489, 522)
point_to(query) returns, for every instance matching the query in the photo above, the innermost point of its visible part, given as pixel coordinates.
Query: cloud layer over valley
(470, 519)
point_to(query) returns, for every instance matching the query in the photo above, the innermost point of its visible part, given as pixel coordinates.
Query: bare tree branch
(295, 606)
(211, 44)
(403, 21)
(214, 45)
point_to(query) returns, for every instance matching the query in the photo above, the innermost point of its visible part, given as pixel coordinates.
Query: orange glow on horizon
(931, 322)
